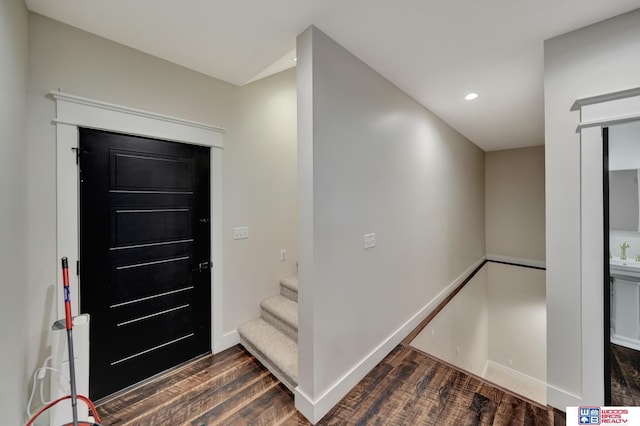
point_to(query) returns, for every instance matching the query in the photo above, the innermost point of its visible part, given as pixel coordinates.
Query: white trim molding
(608, 109)
(596, 112)
(78, 111)
(579, 104)
(75, 111)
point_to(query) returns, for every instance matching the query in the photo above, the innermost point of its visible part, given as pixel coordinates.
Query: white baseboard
(517, 381)
(226, 341)
(315, 410)
(625, 341)
(562, 399)
(513, 372)
(306, 406)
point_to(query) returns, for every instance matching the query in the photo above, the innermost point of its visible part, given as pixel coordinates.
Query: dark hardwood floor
(625, 376)
(408, 387)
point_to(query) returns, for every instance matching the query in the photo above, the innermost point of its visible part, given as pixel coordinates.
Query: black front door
(144, 256)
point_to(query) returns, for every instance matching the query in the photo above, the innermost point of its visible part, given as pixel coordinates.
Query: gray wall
(13, 174)
(595, 60)
(515, 203)
(260, 191)
(372, 160)
(259, 175)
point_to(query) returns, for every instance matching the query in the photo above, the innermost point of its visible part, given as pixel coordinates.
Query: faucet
(623, 250)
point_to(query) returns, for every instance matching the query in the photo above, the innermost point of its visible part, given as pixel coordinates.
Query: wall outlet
(283, 254)
(369, 240)
(240, 232)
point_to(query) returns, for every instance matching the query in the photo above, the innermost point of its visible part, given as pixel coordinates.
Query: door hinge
(77, 152)
(77, 267)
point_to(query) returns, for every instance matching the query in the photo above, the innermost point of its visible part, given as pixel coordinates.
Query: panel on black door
(145, 256)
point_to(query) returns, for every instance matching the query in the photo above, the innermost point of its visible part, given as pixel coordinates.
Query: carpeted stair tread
(289, 288)
(290, 282)
(283, 308)
(273, 348)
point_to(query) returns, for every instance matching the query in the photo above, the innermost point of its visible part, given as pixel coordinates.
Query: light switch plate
(240, 232)
(369, 240)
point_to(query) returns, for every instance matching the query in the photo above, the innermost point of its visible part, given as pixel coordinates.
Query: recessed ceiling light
(471, 96)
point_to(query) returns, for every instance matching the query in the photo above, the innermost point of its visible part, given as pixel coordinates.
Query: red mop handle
(67, 293)
(67, 314)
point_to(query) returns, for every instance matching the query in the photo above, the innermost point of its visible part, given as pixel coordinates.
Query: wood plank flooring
(408, 387)
(625, 376)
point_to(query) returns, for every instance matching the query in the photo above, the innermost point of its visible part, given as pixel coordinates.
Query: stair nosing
(284, 282)
(282, 316)
(277, 362)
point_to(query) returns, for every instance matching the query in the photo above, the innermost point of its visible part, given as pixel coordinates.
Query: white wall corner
(306, 406)
(306, 336)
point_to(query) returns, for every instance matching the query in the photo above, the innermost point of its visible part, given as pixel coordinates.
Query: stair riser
(289, 294)
(289, 382)
(287, 329)
(273, 337)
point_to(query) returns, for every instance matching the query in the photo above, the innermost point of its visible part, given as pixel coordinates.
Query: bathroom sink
(627, 267)
(627, 262)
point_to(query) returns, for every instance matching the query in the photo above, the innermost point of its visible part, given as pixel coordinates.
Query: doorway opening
(621, 167)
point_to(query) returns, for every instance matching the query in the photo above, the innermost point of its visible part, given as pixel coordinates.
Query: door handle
(203, 266)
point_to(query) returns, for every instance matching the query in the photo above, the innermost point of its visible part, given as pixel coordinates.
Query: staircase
(273, 338)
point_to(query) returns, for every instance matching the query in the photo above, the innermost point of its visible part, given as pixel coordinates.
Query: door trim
(595, 112)
(75, 111)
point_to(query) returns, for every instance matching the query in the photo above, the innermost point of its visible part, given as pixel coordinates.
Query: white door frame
(595, 113)
(73, 112)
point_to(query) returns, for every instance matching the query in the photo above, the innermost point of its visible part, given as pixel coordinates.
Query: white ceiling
(434, 50)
